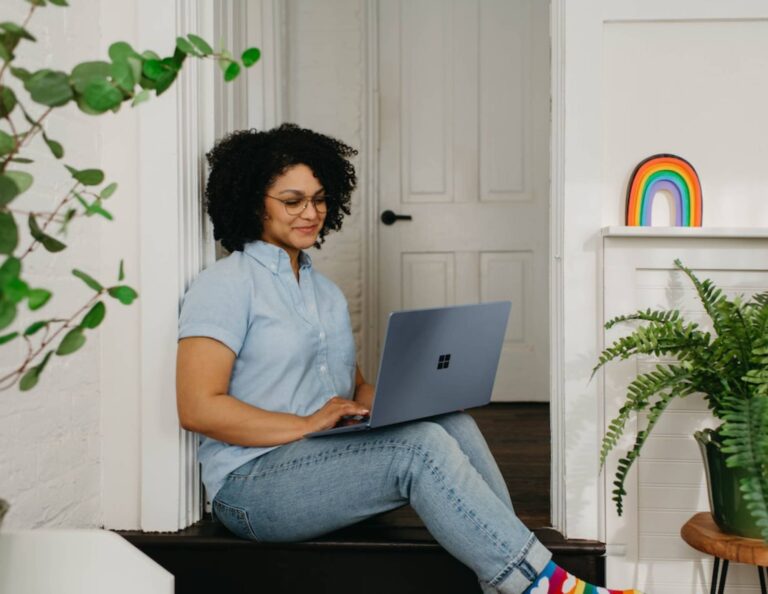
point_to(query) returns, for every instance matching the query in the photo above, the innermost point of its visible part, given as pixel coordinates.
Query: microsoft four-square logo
(444, 361)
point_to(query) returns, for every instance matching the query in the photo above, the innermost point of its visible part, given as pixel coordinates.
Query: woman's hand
(332, 412)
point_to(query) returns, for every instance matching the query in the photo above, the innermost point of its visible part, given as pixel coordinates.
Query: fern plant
(729, 366)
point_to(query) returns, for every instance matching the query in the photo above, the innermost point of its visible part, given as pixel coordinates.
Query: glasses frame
(305, 201)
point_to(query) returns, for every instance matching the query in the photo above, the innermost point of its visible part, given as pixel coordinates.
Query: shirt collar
(274, 258)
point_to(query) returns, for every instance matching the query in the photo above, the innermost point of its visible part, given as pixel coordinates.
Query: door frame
(369, 176)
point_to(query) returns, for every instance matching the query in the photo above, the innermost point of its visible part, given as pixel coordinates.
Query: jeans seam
(515, 563)
(236, 508)
(396, 445)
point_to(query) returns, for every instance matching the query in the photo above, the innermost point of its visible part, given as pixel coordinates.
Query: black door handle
(388, 217)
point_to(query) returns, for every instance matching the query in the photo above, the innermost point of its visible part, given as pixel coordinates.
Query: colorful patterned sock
(555, 580)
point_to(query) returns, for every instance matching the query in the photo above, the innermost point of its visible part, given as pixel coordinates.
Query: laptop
(435, 361)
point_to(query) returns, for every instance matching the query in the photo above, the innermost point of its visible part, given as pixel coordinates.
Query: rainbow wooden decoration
(672, 174)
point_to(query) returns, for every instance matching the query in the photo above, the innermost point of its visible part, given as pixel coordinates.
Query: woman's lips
(306, 230)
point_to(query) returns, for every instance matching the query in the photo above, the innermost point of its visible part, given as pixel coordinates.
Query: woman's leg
(314, 486)
(464, 430)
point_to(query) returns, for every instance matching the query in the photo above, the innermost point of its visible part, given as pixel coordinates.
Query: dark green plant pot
(729, 509)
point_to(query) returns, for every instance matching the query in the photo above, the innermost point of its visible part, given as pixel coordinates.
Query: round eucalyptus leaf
(37, 298)
(186, 47)
(84, 107)
(123, 293)
(17, 30)
(136, 65)
(10, 269)
(34, 328)
(164, 81)
(72, 341)
(121, 51)
(29, 379)
(88, 280)
(9, 233)
(56, 149)
(153, 69)
(59, 2)
(16, 290)
(201, 44)
(22, 179)
(7, 101)
(87, 72)
(121, 273)
(7, 143)
(22, 160)
(7, 313)
(140, 97)
(232, 71)
(107, 191)
(89, 177)
(122, 76)
(251, 56)
(150, 55)
(21, 73)
(5, 55)
(8, 189)
(95, 316)
(49, 87)
(8, 337)
(48, 242)
(102, 95)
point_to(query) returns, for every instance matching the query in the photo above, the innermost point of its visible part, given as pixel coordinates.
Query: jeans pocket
(234, 518)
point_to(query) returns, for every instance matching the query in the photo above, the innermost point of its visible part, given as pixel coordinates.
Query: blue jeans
(441, 466)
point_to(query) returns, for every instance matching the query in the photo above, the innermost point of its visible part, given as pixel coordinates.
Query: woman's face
(293, 232)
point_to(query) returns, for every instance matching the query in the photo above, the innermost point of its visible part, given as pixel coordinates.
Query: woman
(266, 355)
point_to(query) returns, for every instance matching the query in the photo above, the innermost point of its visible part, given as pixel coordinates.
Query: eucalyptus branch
(24, 26)
(9, 380)
(67, 198)
(36, 127)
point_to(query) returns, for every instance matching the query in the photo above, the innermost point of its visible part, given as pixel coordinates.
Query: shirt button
(273, 267)
(322, 369)
(322, 336)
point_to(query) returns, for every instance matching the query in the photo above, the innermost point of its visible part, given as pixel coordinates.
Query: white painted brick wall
(325, 88)
(50, 437)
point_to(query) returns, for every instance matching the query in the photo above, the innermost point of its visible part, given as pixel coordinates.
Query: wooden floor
(519, 438)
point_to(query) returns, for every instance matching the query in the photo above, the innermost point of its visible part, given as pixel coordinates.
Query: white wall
(325, 91)
(50, 437)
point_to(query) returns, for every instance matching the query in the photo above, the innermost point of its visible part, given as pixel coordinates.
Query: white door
(464, 149)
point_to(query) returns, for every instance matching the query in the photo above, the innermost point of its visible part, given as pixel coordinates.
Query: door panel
(464, 140)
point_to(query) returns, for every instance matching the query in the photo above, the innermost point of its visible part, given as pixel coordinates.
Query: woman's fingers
(333, 411)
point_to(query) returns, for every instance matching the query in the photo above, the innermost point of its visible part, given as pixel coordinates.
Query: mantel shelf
(688, 232)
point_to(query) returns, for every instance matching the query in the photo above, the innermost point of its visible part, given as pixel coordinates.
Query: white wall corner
(582, 196)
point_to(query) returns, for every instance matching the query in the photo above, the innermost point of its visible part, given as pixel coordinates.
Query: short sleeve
(217, 305)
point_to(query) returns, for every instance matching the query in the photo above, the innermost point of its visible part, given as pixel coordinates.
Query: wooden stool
(701, 533)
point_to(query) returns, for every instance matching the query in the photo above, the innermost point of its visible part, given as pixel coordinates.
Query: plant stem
(14, 375)
(65, 200)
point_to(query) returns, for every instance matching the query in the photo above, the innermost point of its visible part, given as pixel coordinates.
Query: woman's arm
(363, 391)
(203, 370)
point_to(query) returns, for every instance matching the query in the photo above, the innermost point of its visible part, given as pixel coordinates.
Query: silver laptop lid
(438, 360)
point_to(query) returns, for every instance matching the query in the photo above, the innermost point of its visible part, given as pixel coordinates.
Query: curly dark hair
(245, 163)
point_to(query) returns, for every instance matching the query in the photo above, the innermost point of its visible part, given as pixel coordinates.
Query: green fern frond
(685, 341)
(625, 464)
(709, 295)
(639, 393)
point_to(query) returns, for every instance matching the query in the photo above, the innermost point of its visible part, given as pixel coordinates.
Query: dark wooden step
(373, 559)
(387, 554)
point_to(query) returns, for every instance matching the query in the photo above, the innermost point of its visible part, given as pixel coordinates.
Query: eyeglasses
(296, 206)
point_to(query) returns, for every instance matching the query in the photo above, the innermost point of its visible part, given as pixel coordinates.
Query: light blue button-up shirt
(293, 340)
